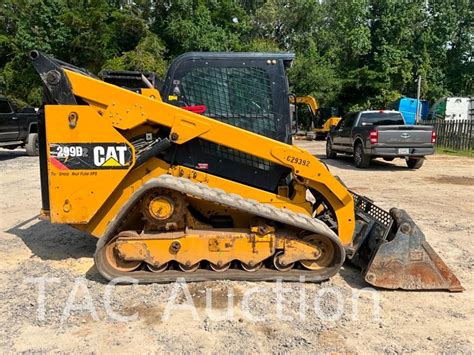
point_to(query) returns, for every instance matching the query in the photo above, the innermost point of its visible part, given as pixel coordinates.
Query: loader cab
(247, 90)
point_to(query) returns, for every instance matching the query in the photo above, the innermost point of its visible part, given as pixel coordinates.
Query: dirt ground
(77, 316)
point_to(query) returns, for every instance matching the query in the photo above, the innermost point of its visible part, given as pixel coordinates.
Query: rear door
(8, 123)
(346, 132)
(336, 138)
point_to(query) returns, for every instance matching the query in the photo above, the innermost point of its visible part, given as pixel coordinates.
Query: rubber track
(233, 201)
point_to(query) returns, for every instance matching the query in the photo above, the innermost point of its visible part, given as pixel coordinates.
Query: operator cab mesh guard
(246, 90)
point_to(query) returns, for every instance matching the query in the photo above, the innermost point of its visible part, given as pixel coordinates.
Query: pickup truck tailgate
(404, 136)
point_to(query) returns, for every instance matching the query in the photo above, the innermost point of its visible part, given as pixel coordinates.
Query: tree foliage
(353, 54)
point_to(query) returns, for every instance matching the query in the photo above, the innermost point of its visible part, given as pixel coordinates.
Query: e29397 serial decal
(90, 156)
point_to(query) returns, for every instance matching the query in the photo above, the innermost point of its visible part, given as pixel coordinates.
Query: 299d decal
(90, 156)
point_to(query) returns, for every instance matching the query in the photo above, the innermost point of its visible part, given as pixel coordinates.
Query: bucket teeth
(405, 260)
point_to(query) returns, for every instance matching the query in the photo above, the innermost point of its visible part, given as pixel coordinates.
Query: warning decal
(87, 156)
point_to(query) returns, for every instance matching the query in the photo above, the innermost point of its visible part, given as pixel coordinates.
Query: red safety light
(374, 136)
(433, 137)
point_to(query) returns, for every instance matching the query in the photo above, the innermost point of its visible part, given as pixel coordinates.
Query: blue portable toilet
(425, 109)
(407, 106)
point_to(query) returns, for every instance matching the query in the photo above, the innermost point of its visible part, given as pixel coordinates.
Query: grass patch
(459, 153)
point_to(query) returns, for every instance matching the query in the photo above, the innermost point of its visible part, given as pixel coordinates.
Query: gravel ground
(78, 316)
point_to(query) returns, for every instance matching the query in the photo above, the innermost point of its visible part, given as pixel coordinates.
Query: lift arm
(127, 110)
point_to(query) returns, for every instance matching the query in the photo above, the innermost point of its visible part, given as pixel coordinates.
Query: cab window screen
(382, 118)
(239, 96)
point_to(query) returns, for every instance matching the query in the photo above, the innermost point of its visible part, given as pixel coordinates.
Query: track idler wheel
(326, 252)
(115, 261)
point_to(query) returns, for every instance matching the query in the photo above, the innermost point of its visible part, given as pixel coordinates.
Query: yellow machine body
(155, 216)
(113, 108)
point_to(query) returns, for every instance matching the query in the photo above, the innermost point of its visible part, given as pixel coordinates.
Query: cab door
(9, 129)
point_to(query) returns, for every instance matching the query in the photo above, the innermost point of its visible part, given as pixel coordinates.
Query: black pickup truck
(372, 134)
(18, 128)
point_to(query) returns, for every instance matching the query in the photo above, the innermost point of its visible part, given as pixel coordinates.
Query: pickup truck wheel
(361, 159)
(330, 154)
(32, 145)
(415, 163)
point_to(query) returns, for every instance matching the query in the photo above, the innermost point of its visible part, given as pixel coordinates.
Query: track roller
(189, 268)
(157, 269)
(251, 268)
(219, 268)
(278, 265)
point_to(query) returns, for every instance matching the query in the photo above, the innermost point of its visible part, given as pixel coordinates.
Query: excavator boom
(321, 125)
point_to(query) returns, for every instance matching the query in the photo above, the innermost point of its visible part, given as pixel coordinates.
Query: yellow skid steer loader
(199, 180)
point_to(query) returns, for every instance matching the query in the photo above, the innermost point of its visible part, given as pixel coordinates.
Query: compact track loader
(199, 180)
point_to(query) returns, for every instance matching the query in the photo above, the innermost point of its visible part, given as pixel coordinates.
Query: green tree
(22, 32)
(353, 54)
(147, 56)
(313, 75)
(187, 25)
